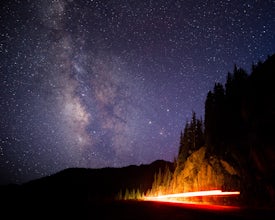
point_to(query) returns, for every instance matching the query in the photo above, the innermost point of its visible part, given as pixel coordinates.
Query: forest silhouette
(238, 130)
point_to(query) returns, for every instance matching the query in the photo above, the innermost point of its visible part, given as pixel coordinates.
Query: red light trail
(193, 194)
(171, 199)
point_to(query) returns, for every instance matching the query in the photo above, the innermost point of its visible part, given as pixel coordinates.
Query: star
(102, 84)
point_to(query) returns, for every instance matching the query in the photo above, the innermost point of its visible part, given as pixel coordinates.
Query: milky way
(112, 83)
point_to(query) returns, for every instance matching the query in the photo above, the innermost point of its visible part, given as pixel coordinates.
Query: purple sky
(112, 83)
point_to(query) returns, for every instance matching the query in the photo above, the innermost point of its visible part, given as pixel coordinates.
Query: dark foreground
(139, 210)
(161, 210)
(89, 194)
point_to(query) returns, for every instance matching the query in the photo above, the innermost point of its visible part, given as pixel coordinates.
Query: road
(135, 210)
(160, 210)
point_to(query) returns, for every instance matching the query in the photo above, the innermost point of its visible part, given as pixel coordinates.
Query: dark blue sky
(111, 83)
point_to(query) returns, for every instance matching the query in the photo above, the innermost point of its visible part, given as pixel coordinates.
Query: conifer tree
(191, 139)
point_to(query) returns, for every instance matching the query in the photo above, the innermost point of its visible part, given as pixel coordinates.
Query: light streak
(172, 199)
(193, 194)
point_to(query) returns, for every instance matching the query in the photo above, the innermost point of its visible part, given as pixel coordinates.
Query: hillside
(234, 148)
(81, 186)
(239, 126)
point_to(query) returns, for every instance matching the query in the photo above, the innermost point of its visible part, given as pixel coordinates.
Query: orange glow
(192, 194)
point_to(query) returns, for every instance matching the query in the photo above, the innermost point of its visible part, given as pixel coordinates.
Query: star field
(112, 83)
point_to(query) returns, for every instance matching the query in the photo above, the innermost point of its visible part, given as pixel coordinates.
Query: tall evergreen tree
(208, 119)
(199, 133)
(191, 139)
(214, 119)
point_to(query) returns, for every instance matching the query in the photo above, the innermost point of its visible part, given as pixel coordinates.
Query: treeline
(240, 115)
(133, 194)
(162, 182)
(191, 139)
(239, 128)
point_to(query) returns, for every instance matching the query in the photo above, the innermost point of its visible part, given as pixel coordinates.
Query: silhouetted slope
(239, 126)
(238, 134)
(81, 186)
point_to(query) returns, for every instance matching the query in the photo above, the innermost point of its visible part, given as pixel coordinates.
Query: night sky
(111, 83)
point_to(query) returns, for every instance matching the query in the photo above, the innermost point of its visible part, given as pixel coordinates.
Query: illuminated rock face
(199, 172)
(202, 173)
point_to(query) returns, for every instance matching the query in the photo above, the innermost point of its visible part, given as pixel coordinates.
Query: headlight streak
(172, 199)
(193, 194)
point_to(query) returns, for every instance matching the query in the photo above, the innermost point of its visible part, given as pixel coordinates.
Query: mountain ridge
(84, 185)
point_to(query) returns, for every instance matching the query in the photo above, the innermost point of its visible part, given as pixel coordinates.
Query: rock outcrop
(206, 173)
(202, 172)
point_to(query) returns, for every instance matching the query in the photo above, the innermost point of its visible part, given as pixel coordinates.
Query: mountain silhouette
(79, 187)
